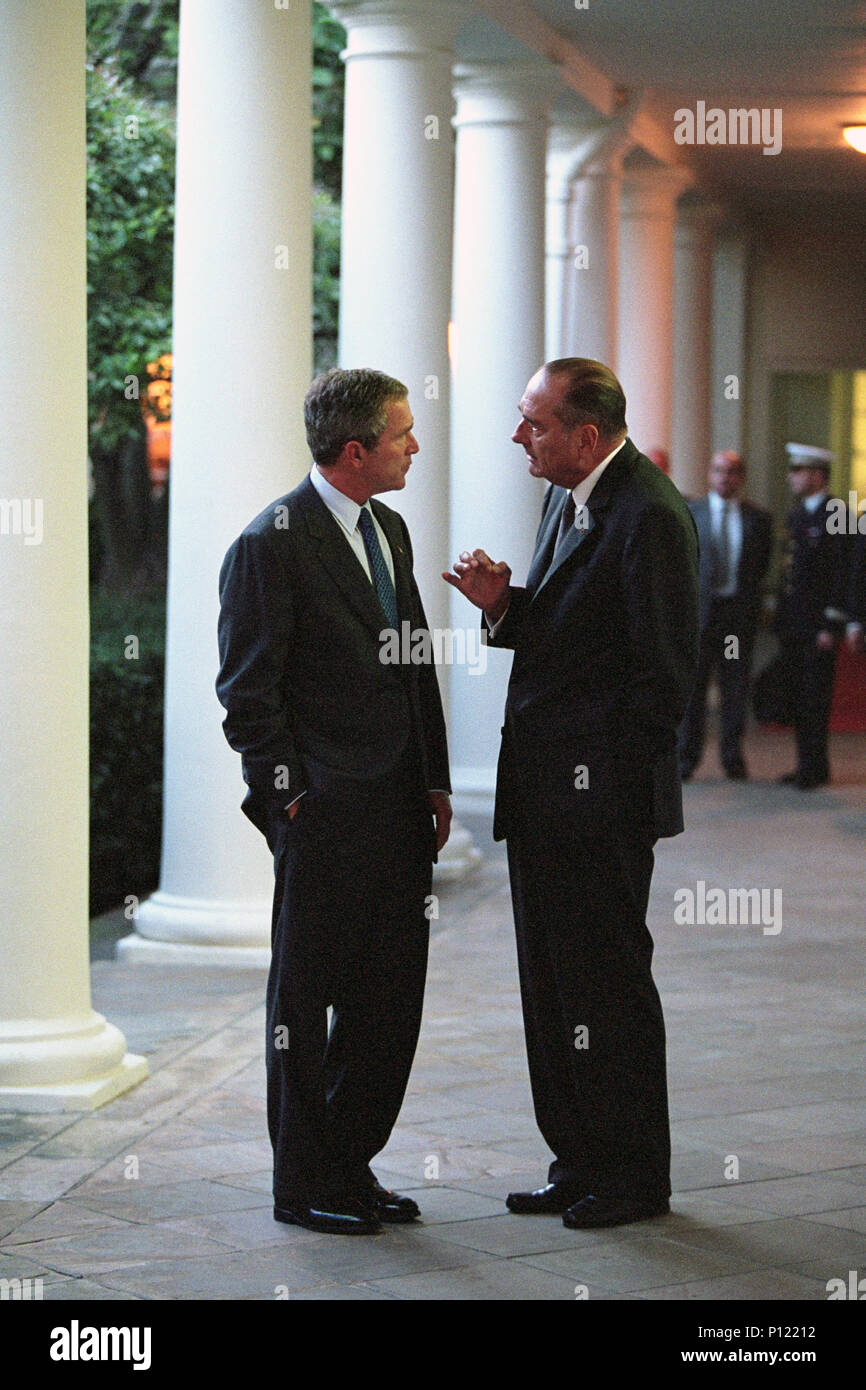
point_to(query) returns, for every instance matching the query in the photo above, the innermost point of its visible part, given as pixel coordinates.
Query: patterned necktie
(382, 582)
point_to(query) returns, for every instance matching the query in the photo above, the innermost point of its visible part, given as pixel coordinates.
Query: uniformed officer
(810, 618)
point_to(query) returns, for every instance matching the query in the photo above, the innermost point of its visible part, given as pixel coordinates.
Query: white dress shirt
(345, 512)
(814, 502)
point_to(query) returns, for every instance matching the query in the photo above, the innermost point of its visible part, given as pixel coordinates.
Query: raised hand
(482, 581)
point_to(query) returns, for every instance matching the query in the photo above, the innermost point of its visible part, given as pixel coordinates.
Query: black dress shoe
(788, 779)
(390, 1206)
(340, 1216)
(590, 1213)
(808, 781)
(687, 772)
(556, 1197)
(737, 771)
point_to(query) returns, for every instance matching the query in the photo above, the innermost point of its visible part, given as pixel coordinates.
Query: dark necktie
(382, 582)
(566, 523)
(721, 551)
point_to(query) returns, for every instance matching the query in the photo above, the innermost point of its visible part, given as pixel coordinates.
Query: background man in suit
(605, 639)
(810, 615)
(346, 761)
(736, 539)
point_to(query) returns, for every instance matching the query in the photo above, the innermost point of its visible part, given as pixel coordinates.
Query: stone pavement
(164, 1193)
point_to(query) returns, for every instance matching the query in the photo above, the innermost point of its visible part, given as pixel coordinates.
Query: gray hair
(344, 405)
(592, 396)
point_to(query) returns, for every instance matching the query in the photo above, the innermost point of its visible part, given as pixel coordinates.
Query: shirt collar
(586, 485)
(716, 501)
(814, 502)
(344, 508)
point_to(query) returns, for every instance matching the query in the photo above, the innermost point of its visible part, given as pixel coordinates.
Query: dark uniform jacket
(813, 595)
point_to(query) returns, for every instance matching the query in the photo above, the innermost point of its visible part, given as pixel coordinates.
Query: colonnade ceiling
(803, 59)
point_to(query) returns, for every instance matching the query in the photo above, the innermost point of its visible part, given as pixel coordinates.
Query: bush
(126, 724)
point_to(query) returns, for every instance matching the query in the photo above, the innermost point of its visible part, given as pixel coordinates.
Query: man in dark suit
(736, 539)
(605, 640)
(810, 615)
(345, 757)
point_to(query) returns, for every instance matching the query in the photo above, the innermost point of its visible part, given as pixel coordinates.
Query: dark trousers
(350, 931)
(585, 957)
(733, 674)
(809, 673)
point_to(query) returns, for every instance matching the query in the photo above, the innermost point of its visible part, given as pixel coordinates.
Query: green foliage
(130, 227)
(326, 278)
(126, 722)
(139, 38)
(329, 40)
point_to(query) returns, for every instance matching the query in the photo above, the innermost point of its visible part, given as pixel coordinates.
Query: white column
(693, 293)
(584, 186)
(562, 141)
(242, 363)
(592, 282)
(499, 343)
(55, 1052)
(646, 308)
(728, 368)
(395, 274)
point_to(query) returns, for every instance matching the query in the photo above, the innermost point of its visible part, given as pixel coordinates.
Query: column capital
(399, 28)
(652, 192)
(593, 149)
(491, 94)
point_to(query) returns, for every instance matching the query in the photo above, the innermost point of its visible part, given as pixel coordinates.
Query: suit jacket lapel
(575, 537)
(599, 502)
(545, 543)
(341, 564)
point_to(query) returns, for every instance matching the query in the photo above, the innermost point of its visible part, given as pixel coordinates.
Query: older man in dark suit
(736, 540)
(344, 754)
(605, 640)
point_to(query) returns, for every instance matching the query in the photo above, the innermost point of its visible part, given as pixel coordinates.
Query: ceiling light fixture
(856, 136)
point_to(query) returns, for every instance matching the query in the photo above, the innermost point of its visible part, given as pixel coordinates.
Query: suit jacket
(814, 582)
(605, 657)
(754, 559)
(310, 705)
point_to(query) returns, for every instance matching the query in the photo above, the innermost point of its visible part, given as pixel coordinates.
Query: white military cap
(808, 456)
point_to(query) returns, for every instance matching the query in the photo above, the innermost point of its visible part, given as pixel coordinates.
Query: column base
(205, 924)
(460, 857)
(75, 1095)
(141, 950)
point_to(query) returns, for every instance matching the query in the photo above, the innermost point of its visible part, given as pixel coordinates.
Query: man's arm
(660, 583)
(432, 721)
(486, 584)
(255, 632)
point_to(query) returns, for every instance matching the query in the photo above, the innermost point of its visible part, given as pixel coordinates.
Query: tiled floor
(164, 1194)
